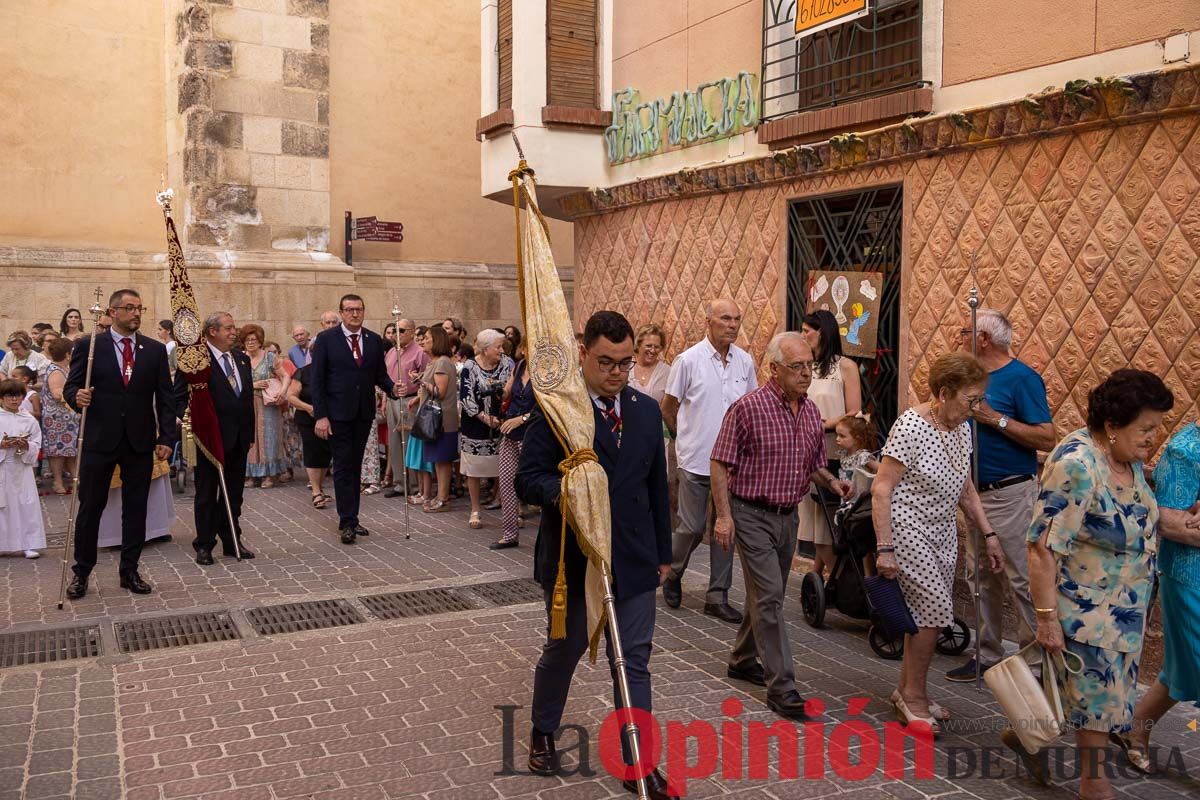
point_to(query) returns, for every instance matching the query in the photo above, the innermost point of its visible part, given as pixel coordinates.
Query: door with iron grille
(857, 232)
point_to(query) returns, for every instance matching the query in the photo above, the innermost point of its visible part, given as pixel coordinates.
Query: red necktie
(612, 417)
(126, 361)
(354, 348)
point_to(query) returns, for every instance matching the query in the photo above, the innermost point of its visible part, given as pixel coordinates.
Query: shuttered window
(571, 54)
(504, 50)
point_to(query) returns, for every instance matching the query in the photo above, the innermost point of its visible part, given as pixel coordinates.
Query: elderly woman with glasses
(480, 391)
(21, 354)
(922, 482)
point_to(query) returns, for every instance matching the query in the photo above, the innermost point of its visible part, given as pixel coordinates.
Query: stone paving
(413, 708)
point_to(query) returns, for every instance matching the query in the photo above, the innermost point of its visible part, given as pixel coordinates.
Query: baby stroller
(853, 538)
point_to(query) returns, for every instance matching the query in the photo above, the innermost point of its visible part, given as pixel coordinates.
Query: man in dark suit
(629, 446)
(231, 387)
(347, 365)
(130, 393)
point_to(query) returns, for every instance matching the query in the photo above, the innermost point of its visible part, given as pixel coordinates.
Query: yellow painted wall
(983, 38)
(404, 98)
(82, 139)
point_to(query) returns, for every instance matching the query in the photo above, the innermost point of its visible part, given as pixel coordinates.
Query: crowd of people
(429, 414)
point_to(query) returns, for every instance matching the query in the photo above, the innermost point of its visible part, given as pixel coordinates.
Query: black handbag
(427, 426)
(888, 601)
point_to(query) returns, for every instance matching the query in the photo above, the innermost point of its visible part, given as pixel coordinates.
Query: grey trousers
(554, 670)
(1009, 510)
(695, 523)
(766, 543)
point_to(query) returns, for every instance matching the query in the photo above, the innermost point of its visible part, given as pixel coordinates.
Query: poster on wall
(813, 16)
(853, 298)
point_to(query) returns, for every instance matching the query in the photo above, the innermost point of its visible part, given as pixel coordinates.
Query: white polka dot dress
(924, 502)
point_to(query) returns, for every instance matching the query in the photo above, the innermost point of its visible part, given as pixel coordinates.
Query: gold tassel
(558, 599)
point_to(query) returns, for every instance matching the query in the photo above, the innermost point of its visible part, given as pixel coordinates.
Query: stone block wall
(253, 100)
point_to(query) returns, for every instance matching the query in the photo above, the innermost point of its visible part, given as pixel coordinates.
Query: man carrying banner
(629, 446)
(230, 384)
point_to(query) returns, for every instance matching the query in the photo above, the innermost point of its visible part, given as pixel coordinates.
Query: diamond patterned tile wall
(1089, 240)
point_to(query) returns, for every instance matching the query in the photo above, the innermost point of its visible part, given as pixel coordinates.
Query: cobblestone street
(407, 708)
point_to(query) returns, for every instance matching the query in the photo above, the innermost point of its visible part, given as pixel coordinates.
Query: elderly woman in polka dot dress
(922, 480)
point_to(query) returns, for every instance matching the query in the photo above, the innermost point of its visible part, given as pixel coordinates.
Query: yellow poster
(817, 15)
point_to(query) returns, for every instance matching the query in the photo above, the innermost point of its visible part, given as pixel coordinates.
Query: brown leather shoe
(656, 785)
(543, 758)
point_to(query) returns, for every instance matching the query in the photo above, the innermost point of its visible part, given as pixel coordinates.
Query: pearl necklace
(957, 464)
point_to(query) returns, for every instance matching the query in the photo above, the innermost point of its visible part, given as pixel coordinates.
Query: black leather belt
(1011, 480)
(782, 511)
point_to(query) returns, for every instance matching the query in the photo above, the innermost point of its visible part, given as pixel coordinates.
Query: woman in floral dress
(266, 458)
(60, 425)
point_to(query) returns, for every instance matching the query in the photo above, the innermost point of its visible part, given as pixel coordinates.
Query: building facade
(926, 146)
(270, 119)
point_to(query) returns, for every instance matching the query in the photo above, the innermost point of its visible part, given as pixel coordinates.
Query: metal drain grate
(140, 635)
(295, 617)
(419, 603)
(509, 593)
(45, 646)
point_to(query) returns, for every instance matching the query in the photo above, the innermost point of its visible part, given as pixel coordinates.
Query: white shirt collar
(117, 337)
(348, 333)
(598, 404)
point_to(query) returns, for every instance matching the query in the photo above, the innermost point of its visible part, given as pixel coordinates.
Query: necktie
(612, 417)
(126, 360)
(354, 348)
(230, 374)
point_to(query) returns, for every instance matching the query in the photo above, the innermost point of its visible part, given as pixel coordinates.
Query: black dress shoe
(723, 612)
(77, 588)
(502, 545)
(543, 758)
(656, 785)
(231, 553)
(752, 674)
(791, 706)
(359, 530)
(392, 493)
(347, 535)
(204, 556)
(134, 583)
(672, 592)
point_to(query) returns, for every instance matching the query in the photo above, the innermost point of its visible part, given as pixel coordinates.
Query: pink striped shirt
(771, 453)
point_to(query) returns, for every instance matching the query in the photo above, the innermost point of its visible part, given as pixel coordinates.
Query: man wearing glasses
(406, 363)
(1014, 422)
(769, 445)
(347, 365)
(629, 447)
(130, 392)
(706, 379)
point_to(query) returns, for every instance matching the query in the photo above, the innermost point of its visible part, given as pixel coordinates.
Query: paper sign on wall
(853, 298)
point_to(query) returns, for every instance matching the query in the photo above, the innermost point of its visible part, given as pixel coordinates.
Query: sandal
(907, 717)
(370, 489)
(434, 506)
(416, 500)
(475, 522)
(1135, 753)
(318, 501)
(268, 483)
(936, 711)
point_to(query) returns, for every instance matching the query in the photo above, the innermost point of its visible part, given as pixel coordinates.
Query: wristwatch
(1002, 423)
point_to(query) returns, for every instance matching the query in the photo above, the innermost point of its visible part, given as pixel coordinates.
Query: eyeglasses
(357, 311)
(401, 330)
(974, 401)
(608, 365)
(799, 366)
(130, 309)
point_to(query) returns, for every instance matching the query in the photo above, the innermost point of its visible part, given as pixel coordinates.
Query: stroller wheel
(812, 599)
(954, 639)
(883, 646)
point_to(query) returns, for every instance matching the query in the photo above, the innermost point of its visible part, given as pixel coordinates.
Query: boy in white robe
(21, 524)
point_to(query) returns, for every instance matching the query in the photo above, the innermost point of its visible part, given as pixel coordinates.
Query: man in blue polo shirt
(1014, 422)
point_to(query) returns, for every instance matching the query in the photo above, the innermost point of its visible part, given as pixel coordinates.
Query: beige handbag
(1034, 709)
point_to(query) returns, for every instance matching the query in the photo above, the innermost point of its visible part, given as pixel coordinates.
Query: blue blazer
(142, 413)
(342, 390)
(637, 490)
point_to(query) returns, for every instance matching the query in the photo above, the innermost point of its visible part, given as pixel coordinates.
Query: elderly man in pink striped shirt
(770, 444)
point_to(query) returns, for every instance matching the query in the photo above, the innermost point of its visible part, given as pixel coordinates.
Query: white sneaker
(32, 554)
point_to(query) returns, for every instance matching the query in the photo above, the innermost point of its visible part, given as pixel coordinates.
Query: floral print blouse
(1105, 541)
